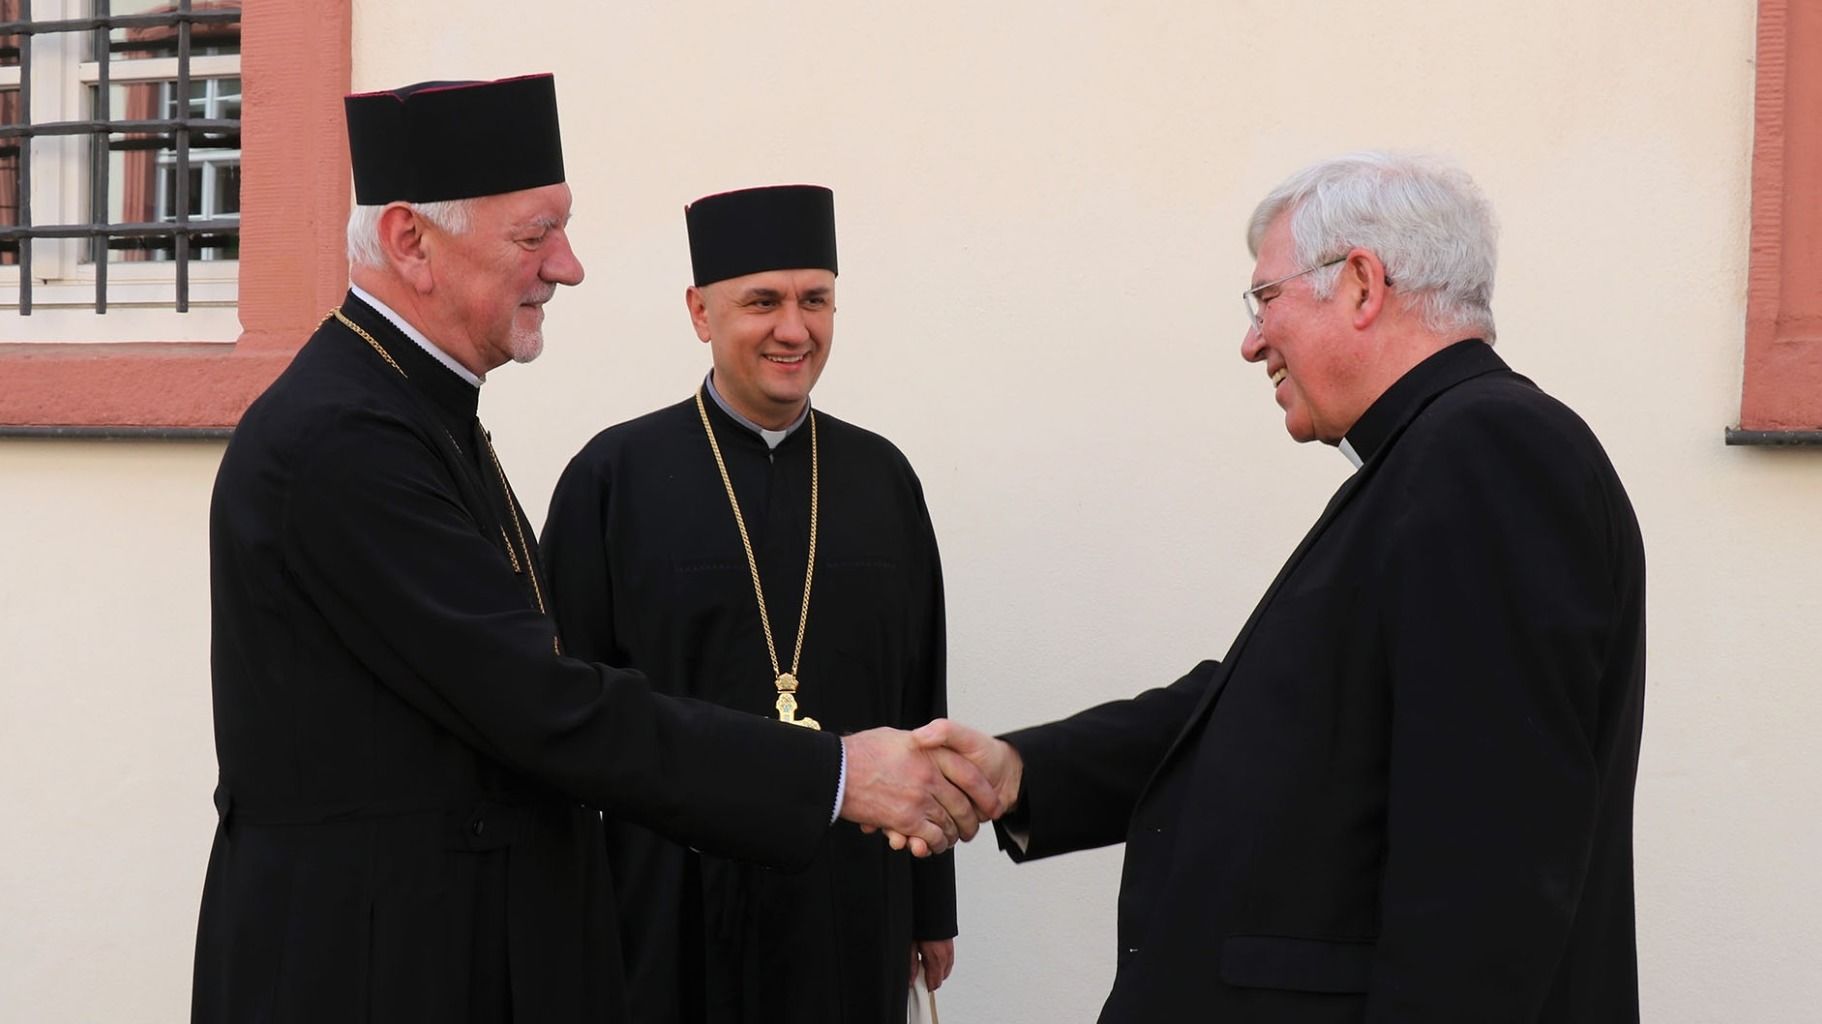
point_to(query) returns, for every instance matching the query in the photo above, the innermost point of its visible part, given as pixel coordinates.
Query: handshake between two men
(928, 788)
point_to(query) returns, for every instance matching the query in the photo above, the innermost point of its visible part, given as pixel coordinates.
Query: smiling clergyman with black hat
(412, 770)
(665, 536)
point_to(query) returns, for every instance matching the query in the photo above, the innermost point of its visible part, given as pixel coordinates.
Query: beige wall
(1041, 212)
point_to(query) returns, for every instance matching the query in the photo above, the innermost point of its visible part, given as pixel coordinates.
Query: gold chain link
(512, 502)
(368, 338)
(765, 620)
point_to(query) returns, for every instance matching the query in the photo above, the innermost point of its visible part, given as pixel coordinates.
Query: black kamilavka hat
(781, 227)
(435, 141)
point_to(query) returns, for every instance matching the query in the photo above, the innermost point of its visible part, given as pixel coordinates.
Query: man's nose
(1252, 344)
(791, 327)
(562, 266)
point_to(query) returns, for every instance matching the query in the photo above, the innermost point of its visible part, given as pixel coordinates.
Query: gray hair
(1425, 219)
(452, 215)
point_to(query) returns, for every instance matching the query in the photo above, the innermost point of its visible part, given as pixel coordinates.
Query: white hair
(1425, 219)
(452, 215)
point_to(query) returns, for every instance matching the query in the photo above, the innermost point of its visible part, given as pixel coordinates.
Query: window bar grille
(97, 229)
(98, 154)
(24, 199)
(183, 159)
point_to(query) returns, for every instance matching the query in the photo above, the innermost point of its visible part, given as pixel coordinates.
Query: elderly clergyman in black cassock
(665, 534)
(412, 771)
(1405, 795)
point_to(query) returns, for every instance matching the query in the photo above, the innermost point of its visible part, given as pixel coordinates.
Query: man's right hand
(923, 797)
(970, 759)
(956, 745)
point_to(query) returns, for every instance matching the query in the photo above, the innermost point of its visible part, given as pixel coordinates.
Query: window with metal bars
(119, 148)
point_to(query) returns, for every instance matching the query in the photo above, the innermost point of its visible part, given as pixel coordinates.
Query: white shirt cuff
(1021, 838)
(841, 786)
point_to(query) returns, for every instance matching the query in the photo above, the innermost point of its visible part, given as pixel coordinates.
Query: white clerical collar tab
(772, 438)
(417, 336)
(1347, 450)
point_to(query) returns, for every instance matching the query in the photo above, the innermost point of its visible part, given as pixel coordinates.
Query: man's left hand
(936, 958)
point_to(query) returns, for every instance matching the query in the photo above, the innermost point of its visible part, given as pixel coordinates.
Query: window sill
(120, 433)
(130, 285)
(123, 322)
(1774, 438)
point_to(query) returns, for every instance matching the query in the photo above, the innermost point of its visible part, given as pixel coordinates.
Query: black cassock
(648, 572)
(410, 773)
(1405, 794)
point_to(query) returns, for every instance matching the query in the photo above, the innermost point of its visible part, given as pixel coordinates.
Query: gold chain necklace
(529, 565)
(786, 681)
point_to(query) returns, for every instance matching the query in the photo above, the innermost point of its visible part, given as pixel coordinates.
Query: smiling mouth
(788, 360)
(1279, 375)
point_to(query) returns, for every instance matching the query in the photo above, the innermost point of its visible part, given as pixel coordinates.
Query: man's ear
(1363, 280)
(698, 304)
(407, 249)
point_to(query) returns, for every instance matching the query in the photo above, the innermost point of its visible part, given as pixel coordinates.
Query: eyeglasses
(1256, 309)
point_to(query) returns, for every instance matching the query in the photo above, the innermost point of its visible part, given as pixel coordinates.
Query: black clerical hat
(433, 141)
(782, 227)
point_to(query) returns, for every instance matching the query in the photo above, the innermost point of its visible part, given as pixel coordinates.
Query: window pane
(227, 189)
(143, 174)
(227, 98)
(211, 99)
(9, 176)
(206, 38)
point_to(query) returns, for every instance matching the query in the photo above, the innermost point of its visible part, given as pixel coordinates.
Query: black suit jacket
(410, 772)
(1406, 794)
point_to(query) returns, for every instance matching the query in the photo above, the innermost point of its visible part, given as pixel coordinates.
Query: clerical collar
(1441, 370)
(454, 398)
(416, 336)
(772, 438)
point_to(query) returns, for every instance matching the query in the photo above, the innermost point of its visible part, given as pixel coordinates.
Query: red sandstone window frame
(1781, 392)
(295, 68)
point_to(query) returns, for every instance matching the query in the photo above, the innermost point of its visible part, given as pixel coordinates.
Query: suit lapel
(1456, 365)
(1342, 496)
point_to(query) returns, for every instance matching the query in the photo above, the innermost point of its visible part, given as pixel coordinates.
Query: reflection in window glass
(206, 38)
(9, 48)
(9, 176)
(9, 45)
(143, 175)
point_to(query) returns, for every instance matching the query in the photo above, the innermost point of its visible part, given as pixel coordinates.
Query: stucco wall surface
(1041, 210)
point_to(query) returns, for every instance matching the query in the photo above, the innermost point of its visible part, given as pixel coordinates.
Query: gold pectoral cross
(787, 702)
